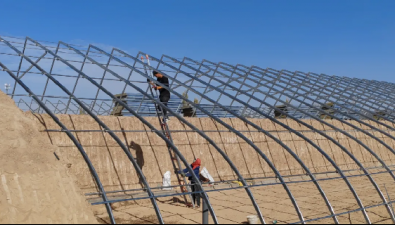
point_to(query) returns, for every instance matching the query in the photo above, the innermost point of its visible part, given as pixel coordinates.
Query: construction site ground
(38, 187)
(233, 206)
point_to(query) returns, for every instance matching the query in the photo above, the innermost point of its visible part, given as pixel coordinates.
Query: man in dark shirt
(164, 95)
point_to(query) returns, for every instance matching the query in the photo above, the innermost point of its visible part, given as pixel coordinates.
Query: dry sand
(233, 207)
(34, 185)
(52, 196)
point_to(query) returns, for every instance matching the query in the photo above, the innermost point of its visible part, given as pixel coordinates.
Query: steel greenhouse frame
(368, 102)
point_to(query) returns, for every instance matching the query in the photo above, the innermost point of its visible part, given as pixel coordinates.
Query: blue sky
(345, 38)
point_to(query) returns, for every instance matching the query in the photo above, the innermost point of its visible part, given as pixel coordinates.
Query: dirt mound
(34, 185)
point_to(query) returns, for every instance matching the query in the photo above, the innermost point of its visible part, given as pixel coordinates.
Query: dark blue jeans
(196, 197)
(164, 99)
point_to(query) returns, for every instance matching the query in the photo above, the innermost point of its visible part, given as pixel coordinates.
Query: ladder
(166, 131)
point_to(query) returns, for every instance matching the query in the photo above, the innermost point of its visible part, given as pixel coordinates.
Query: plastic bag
(167, 181)
(207, 175)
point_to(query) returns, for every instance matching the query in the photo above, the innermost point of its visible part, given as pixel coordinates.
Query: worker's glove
(156, 88)
(183, 174)
(148, 80)
(176, 171)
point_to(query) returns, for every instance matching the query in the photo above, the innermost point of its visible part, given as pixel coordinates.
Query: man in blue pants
(196, 170)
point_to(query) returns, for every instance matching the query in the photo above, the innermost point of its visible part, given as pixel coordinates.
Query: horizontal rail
(247, 179)
(344, 213)
(221, 131)
(239, 187)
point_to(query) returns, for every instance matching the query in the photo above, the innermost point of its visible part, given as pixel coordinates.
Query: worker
(164, 94)
(196, 170)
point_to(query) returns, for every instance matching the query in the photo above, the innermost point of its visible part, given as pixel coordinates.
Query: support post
(205, 213)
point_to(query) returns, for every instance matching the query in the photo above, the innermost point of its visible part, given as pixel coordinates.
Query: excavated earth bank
(34, 186)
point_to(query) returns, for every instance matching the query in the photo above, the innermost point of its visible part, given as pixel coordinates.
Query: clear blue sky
(345, 38)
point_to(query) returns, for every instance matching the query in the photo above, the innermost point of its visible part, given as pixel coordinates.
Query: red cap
(196, 164)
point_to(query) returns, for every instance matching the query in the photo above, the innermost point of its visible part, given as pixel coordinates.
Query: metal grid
(60, 78)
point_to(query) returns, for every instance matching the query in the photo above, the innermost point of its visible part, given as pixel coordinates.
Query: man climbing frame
(164, 95)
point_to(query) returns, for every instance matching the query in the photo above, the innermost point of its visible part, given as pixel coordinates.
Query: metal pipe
(180, 118)
(185, 122)
(321, 88)
(101, 81)
(246, 139)
(149, 125)
(206, 131)
(72, 138)
(19, 68)
(335, 142)
(104, 126)
(89, 112)
(236, 188)
(285, 126)
(297, 133)
(348, 135)
(268, 178)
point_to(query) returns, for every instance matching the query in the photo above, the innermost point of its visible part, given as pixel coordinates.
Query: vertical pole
(150, 75)
(102, 80)
(19, 69)
(78, 78)
(50, 72)
(205, 213)
(389, 198)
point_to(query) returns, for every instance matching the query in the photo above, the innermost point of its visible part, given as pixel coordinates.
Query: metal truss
(89, 80)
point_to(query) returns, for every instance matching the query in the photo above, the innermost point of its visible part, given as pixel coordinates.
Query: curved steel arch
(241, 136)
(289, 85)
(181, 119)
(322, 111)
(334, 116)
(167, 141)
(72, 138)
(356, 112)
(340, 83)
(363, 101)
(230, 128)
(309, 126)
(345, 133)
(303, 103)
(340, 94)
(297, 133)
(69, 134)
(104, 126)
(342, 121)
(354, 82)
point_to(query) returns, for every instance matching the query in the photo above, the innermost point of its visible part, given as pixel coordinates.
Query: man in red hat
(196, 170)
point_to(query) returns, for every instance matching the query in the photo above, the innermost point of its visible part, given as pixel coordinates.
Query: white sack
(167, 181)
(207, 175)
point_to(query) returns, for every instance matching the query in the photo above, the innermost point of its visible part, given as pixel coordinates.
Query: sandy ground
(34, 185)
(37, 188)
(234, 206)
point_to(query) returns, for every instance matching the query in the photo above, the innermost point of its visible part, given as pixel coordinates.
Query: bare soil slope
(34, 185)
